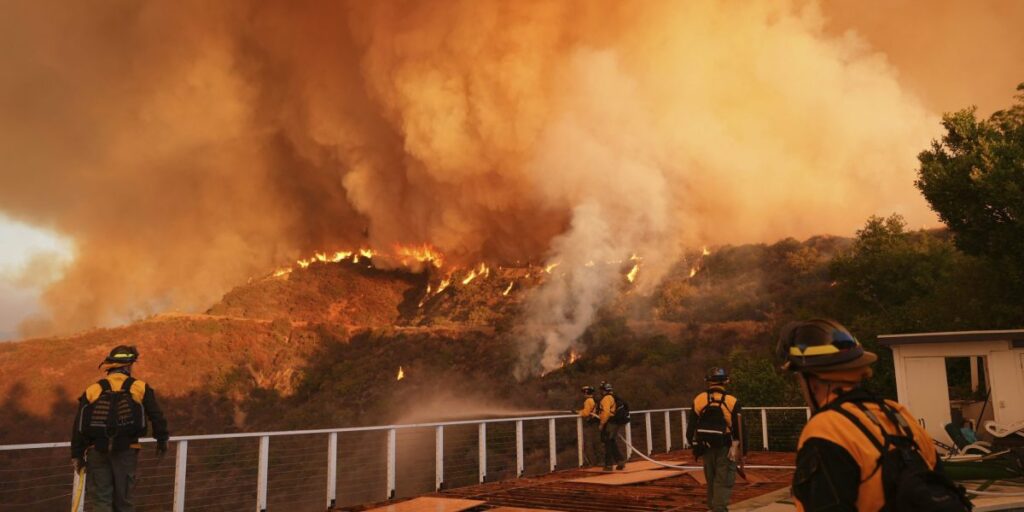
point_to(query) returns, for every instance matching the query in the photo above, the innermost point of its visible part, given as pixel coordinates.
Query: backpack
(114, 414)
(907, 481)
(621, 416)
(711, 423)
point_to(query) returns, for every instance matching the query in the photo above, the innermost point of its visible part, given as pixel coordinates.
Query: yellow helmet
(821, 346)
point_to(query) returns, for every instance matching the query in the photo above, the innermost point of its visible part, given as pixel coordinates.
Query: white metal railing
(786, 428)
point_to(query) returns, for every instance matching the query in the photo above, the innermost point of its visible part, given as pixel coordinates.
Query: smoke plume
(185, 146)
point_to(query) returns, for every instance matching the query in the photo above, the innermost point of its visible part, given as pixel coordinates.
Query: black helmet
(716, 374)
(820, 345)
(606, 387)
(120, 356)
(587, 390)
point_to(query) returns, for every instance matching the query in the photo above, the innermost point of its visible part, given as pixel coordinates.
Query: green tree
(974, 179)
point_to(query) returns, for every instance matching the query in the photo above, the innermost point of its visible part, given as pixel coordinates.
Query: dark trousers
(720, 473)
(111, 477)
(610, 436)
(591, 443)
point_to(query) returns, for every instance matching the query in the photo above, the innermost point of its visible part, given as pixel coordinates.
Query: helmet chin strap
(805, 386)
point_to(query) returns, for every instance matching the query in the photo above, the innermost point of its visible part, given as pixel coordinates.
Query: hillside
(325, 343)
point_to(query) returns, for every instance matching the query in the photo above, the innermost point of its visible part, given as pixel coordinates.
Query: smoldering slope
(187, 146)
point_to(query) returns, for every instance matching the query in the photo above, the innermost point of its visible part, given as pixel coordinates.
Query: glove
(78, 464)
(161, 449)
(734, 452)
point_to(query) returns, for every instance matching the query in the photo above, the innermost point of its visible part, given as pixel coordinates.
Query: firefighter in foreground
(112, 414)
(591, 427)
(714, 433)
(610, 413)
(858, 452)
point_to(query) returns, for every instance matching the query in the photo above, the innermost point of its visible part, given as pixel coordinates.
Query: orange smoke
(186, 146)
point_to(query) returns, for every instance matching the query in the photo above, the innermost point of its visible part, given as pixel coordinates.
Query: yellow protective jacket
(731, 412)
(837, 466)
(141, 393)
(607, 409)
(588, 410)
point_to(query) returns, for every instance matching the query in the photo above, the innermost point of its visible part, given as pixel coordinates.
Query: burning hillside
(201, 145)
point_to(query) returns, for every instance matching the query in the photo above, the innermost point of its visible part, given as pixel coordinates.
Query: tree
(974, 179)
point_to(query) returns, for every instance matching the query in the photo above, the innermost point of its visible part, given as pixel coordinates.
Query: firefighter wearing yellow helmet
(858, 452)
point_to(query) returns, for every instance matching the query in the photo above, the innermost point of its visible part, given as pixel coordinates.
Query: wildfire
(704, 251)
(401, 373)
(509, 289)
(445, 283)
(282, 272)
(422, 254)
(574, 356)
(469, 278)
(481, 271)
(631, 276)
(551, 267)
(693, 271)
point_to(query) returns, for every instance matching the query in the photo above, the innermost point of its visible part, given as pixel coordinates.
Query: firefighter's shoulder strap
(721, 402)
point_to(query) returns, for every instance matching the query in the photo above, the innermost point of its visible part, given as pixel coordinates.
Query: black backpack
(711, 423)
(907, 481)
(114, 414)
(621, 416)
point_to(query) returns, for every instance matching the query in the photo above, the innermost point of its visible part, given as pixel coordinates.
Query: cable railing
(343, 467)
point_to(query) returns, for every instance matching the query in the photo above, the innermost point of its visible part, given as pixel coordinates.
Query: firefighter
(609, 428)
(591, 427)
(112, 414)
(844, 462)
(714, 433)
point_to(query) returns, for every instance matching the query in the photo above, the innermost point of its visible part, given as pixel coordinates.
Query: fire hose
(671, 466)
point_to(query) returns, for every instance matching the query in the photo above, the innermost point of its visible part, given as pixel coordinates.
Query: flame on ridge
(401, 373)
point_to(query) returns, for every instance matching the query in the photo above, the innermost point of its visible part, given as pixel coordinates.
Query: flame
(509, 289)
(401, 373)
(704, 251)
(693, 271)
(444, 284)
(470, 277)
(282, 272)
(366, 253)
(422, 254)
(551, 267)
(832, 284)
(631, 276)
(574, 356)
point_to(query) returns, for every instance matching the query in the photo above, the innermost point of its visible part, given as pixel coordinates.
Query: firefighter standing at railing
(112, 416)
(591, 427)
(714, 433)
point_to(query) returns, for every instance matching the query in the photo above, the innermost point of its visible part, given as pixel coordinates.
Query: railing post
(180, 463)
(520, 467)
(629, 440)
(439, 458)
(579, 440)
(332, 469)
(764, 428)
(647, 427)
(552, 445)
(482, 439)
(77, 480)
(668, 433)
(808, 410)
(261, 475)
(392, 435)
(686, 442)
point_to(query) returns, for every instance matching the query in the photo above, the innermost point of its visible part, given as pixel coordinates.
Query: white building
(996, 371)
